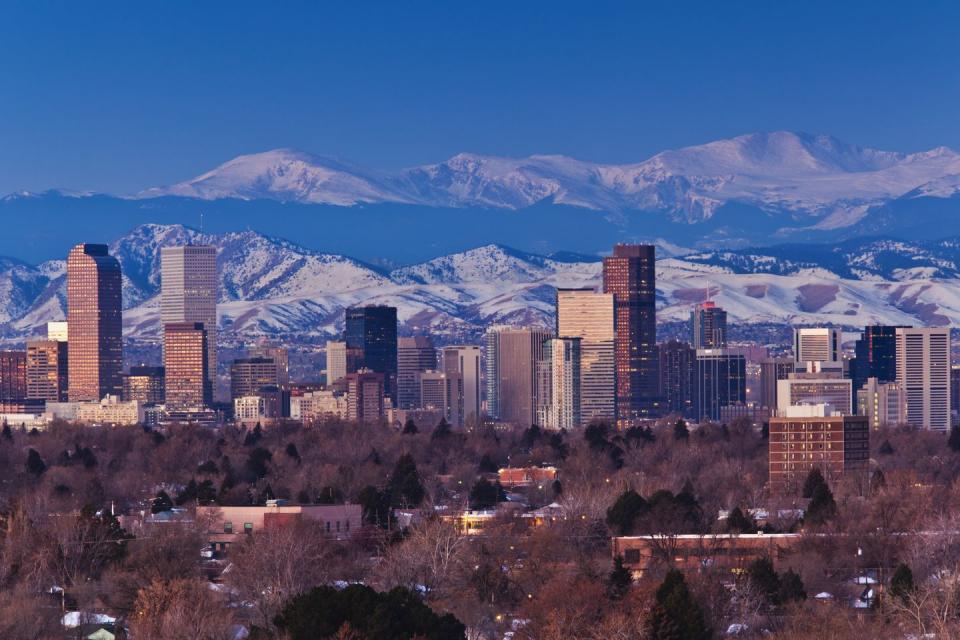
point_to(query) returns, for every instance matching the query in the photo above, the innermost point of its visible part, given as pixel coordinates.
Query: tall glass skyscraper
(708, 326)
(373, 330)
(188, 292)
(588, 315)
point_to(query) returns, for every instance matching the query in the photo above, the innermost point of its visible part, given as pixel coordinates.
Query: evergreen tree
(405, 488)
(765, 431)
(738, 522)
(901, 584)
(814, 479)
(622, 516)
(7, 432)
(208, 467)
(530, 436)
(954, 440)
(791, 588)
(374, 506)
(619, 580)
(487, 465)
(680, 430)
(256, 465)
(441, 431)
(764, 580)
(410, 428)
(886, 449)
(676, 615)
(486, 495)
(822, 507)
(161, 503)
(35, 463)
(292, 452)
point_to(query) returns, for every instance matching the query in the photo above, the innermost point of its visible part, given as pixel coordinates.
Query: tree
(7, 432)
(791, 588)
(442, 431)
(619, 580)
(886, 449)
(410, 428)
(622, 516)
(738, 522)
(485, 494)
(395, 615)
(182, 608)
(35, 463)
(676, 615)
(256, 465)
(901, 584)
(764, 580)
(405, 487)
(814, 480)
(487, 465)
(822, 507)
(680, 430)
(161, 503)
(375, 506)
(292, 452)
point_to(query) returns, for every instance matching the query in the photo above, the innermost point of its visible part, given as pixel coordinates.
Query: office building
(13, 375)
(95, 323)
(813, 436)
(465, 361)
(708, 326)
(677, 367)
(58, 331)
(365, 396)
(773, 370)
(559, 376)
(923, 370)
(630, 275)
(813, 389)
(144, 385)
(442, 392)
(280, 358)
(414, 356)
(46, 364)
(882, 403)
(185, 353)
(817, 344)
(341, 360)
(588, 315)
(721, 380)
(249, 375)
(318, 406)
(373, 330)
(875, 355)
(955, 390)
(188, 293)
(511, 362)
(111, 410)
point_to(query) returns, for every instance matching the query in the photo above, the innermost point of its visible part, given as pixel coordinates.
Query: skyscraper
(47, 370)
(630, 275)
(13, 375)
(414, 356)
(923, 371)
(373, 330)
(677, 366)
(145, 385)
(875, 356)
(465, 361)
(365, 396)
(512, 356)
(185, 353)
(280, 357)
(341, 360)
(708, 326)
(588, 315)
(559, 384)
(817, 344)
(721, 380)
(188, 292)
(95, 323)
(249, 375)
(442, 392)
(772, 370)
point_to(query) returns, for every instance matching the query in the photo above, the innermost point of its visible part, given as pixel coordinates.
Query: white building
(57, 331)
(188, 292)
(923, 370)
(817, 344)
(249, 409)
(814, 388)
(884, 403)
(560, 380)
(588, 315)
(319, 405)
(109, 411)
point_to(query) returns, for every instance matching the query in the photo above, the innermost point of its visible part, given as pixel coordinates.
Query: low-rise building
(319, 405)
(514, 477)
(109, 411)
(695, 553)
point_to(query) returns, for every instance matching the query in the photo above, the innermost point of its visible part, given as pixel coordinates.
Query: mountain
(272, 287)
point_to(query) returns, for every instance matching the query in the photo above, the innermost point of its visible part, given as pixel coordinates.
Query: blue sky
(121, 96)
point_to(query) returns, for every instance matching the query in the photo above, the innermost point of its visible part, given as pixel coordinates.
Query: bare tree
(182, 608)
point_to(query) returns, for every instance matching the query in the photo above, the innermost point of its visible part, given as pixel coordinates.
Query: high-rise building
(279, 356)
(883, 403)
(373, 330)
(249, 375)
(465, 361)
(559, 378)
(47, 370)
(188, 292)
(185, 353)
(58, 331)
(771, 371)
(813, 389)
(442, 392)
(588, 315)
(414, 356)
(511, 363)
(630, 275)
(144, 385)
(809, 437)
(365, 397)
(875, 356)
(13, 375)
(721, 380)
(817, 344)
(677, 367)
(923, 370)
(708, 326)
(95, 323)
(341, 360)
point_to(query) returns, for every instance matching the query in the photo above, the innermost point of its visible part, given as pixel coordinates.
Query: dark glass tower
(630, 275)
(875, 356)
(677, 362)
(708, 326)
(373, 330)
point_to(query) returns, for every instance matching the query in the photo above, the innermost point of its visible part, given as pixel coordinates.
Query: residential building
(373, 330)
(677, 366)
(414, 356)
(46, 365)
(13, 375)
(319, 405)
(708, 326)
(923, 370)
(145, 384)
(630, 275)
(559, 384)
(249, 375)
(464, 360)
(442, 392)
(185, 353)
(589, 315)
(814, 436)
(883, 403)
(721, 380)
(341, 360)
(511, 361)
(95, 323)
(365, 396)
(773, 370)
(188, 293)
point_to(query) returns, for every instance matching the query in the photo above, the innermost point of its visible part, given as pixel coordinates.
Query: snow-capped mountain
(816, 181)
(273, 287)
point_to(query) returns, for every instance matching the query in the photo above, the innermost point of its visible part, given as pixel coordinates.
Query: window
(347, 525)
(228, 527)
(328, 527)
(248, 527)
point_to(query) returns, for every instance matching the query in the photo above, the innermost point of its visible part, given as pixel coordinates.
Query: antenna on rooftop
(201, 222)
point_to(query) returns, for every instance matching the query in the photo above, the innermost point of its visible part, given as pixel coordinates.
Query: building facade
(923, 371)
(318, 406)
(146, 385)
(414, 356)
(365, 396)
(185, 353)
(511, 361)
(442, 392)
(465, 362)
(773, 370)
(46, 365)
(817, 344)
(590, 316)
(813, 388)
(882, 403)
(13, 375)
(188, 293)
(875, 356)
(341, 360)
(95, 323)
(560, 384)
(249, 375)
(677, 367)
(708, 326)
(373, 330)
(721, 380)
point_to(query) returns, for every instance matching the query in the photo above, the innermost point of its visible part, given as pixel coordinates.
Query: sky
(120, 96)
